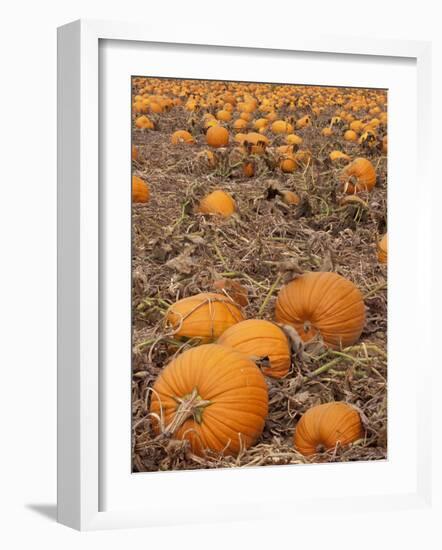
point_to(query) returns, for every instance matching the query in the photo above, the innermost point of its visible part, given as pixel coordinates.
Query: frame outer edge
(77, 254)
(68, 276)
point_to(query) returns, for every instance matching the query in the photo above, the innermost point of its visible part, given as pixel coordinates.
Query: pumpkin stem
(190, 406)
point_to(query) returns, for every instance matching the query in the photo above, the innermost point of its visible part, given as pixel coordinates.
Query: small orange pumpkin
(217, 202)
(350, 135)
(281, 127)
(324, 304)
(260, 339)
(358, 176)
(240, 124)
(337, 156)
(217, 136)
(304, 122)
(293, 139)
(181, 136)
(140, 190)
(289, 197)
(382, 249)
(143, 122)
(213, 397)
(256, 142)
(223, 115)
(288, 164)
(325, 426)
(248, 169)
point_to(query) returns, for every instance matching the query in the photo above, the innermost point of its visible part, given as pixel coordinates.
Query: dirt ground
(178, 252)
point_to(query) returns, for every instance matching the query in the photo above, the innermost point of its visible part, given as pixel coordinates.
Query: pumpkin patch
(259, 274)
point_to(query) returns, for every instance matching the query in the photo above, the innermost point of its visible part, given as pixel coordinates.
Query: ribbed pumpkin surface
(260, 339)
(324, 426)
(232, 384)
(324, 303)
(205, 316)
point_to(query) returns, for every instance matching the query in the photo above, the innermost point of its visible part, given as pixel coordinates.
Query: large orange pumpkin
(140, 190)
(205, 316)
(217, 202)
(325, 426)
(324, 304)
(358, 176)
(260, 339)
(212, 396)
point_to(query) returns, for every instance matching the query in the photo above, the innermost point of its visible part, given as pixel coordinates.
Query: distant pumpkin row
(215, 396)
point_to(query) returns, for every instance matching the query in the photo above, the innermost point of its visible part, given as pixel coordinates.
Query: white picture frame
(81, 446)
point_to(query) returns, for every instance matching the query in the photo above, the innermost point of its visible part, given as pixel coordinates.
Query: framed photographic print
(230, 315)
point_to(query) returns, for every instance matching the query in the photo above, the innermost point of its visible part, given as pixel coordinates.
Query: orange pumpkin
(217, 202)
(281, 127)
(260, 123)
(240, 124)
(303, 122)
(181, 136)
(205, 316)
(358, 176)
(140, 190)
(134, 152)
(217, 136)
(288, 164)
(257, 142)
(259, 340)
(208, 157)
(350, 135)
(213, 397)
(326, 426)
(337, 156)
(248, 169)
(143, 122)
(293, 139)
(322, 304)
(223, 115)
(382, 249)
(289, 197)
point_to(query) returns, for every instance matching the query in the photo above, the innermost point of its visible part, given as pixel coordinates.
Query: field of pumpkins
(259, 274)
